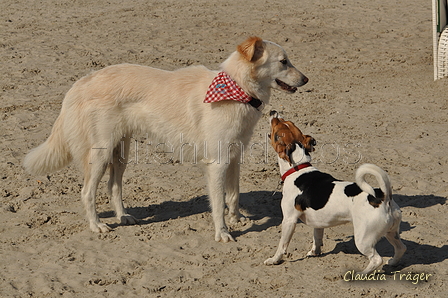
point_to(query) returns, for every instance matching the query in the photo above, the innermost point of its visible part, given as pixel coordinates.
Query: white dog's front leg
(232, 188)
(288, 227)
(317, 243)
(216, 176)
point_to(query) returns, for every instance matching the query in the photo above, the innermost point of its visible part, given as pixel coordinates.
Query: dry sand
(371, 95)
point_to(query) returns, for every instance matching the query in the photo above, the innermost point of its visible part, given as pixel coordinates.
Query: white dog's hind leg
(216, 177)
(94, 167)
(117, 168)
(317, 243)
(233, 191)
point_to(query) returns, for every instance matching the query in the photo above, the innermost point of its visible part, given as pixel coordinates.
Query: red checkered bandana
(224, 88)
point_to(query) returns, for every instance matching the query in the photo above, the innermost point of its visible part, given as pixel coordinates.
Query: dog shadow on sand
(254, 205)
(264, 206)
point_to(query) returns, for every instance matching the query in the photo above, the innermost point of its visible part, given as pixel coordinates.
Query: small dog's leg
(366, 245)
(216, 176)
(393, 236)
(94, 168)
(233, 191)
(117, 168)
(399, 248)
(288, 227)
(317, 243)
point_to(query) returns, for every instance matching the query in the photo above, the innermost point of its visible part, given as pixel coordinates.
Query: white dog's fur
(370, 222)
(103, 110)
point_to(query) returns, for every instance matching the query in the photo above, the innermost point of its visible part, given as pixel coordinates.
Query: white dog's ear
(252, 49)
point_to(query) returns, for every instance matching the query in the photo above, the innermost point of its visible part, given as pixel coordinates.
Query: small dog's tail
(51, 155)
(381, 177)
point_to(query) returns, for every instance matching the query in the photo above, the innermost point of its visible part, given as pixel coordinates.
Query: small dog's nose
(272, 113)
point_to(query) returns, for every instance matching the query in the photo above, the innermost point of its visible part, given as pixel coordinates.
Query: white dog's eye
(284, 61)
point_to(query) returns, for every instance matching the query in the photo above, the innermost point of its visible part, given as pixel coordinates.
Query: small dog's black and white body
(321, 201)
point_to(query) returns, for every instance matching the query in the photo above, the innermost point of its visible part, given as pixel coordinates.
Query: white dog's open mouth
(285, 86)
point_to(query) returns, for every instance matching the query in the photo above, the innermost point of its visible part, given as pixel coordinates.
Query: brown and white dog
(105, 109)
(321, 201)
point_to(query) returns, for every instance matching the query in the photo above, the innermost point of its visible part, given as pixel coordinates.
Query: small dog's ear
(309, 143)
(289, 150)
(284, 155)
(252, 49)
(282, 152)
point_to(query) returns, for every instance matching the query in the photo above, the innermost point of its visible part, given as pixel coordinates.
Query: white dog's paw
(223, 236)
(100, 227)
(313, 253)
(236, 218)
(271, 261)
(127, 219)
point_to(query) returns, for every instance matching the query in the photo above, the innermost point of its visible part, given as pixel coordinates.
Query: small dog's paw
(100, 228)
(128, 219)
(392, 262)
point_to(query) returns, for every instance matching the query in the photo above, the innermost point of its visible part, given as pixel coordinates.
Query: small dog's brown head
(285, 135)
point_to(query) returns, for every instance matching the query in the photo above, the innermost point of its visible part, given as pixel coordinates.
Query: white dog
(212, 110)
(321, 201)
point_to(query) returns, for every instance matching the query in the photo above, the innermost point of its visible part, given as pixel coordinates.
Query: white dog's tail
(50, 156)
(381, 177)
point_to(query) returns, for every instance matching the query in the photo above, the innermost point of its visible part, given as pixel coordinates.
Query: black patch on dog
(378, 199)
(379, 193)
(316, 189)
(352, 190)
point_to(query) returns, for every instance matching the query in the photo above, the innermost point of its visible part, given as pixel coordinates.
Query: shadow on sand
(265, 204)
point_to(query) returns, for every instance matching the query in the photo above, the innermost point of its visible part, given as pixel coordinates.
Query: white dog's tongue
(224, 88)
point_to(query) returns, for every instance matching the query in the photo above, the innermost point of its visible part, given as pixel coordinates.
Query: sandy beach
(371, 98)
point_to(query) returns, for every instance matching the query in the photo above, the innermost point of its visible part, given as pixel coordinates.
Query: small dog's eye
(284, 61)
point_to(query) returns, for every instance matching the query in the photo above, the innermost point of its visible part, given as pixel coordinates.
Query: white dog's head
(259, 65)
